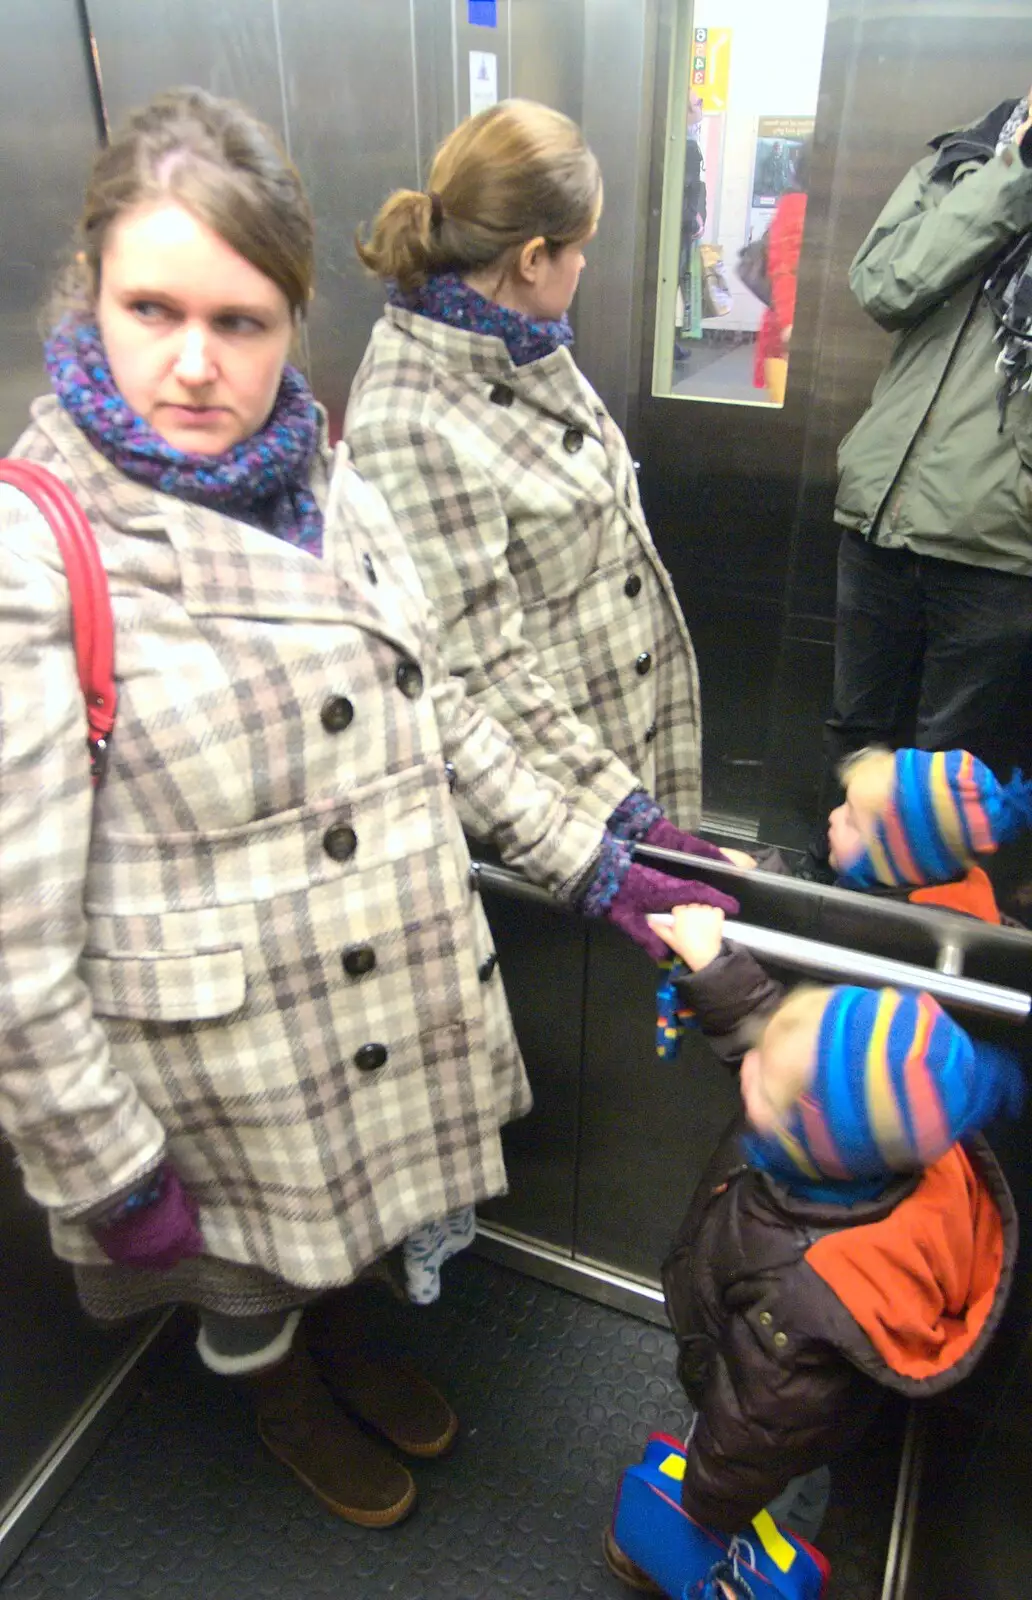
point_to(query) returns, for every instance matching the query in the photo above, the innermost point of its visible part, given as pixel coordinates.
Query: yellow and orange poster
(711, 66)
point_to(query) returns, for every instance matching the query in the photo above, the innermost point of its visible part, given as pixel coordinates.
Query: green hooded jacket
(929, 465)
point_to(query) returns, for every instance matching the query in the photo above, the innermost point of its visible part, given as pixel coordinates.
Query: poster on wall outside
(778, 142)
(711, 67)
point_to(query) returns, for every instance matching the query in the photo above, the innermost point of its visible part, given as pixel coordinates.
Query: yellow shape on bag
(781, 1552)
(673, 1466)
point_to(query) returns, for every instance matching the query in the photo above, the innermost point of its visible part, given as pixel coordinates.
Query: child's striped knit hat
(897, 1082)
(946, 808)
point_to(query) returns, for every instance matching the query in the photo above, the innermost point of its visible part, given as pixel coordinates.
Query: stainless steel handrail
(823, 960)
(941, 926)
(857, 966)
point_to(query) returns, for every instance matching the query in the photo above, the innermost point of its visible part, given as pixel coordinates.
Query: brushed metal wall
(48, 134)
(52, 1360)
(147, 45)
(350, 92)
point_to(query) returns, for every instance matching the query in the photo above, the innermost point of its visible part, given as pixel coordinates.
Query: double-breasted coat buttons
(340, 841)
(337, 713)
(358, 960)
(370, 1057)
(409, 679)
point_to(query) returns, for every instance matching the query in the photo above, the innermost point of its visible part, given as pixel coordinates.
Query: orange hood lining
(973, 895)
(922, 1281)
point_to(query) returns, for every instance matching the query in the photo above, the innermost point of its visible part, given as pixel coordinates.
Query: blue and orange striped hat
(946, 809)
(897, 1082)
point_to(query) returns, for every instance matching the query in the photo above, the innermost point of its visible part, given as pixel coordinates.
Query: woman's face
(195, 335)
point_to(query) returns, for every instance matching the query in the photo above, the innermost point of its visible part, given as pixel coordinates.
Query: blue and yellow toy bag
(678, 1553)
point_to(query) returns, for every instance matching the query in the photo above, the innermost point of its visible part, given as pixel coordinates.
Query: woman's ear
(530, 260)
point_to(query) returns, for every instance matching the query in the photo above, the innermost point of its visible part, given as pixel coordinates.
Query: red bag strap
(93, 627)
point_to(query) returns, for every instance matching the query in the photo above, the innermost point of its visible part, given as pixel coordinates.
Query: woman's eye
(238, 323)
(149, 310)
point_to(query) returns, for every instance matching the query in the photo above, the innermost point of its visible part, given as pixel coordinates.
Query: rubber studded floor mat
(556, 1395)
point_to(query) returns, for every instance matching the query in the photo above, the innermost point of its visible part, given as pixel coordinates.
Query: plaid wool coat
(517, 495)
(256, 948)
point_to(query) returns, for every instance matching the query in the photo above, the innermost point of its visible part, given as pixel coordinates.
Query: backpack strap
(93, 627)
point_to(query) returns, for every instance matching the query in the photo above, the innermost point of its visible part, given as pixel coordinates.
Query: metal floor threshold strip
(556, 1395)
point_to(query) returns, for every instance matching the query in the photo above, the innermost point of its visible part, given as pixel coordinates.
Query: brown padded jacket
(792, 1316)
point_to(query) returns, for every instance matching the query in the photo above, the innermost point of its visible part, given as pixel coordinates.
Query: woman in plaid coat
(513, 486)
(250, 1033)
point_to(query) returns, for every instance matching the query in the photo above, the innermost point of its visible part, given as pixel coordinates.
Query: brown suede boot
(350, 1473)
(384, 1391)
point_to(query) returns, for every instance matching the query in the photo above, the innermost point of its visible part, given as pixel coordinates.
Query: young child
(914, 821)
(855, 1234)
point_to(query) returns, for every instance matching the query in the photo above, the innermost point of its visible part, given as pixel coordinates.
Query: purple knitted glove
(157, 1232)
(644, 890)
(665, 836)
(639, 820)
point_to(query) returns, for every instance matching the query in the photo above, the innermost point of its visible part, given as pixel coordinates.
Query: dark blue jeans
(929, 653)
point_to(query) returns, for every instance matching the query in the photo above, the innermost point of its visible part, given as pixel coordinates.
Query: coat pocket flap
(161, 986)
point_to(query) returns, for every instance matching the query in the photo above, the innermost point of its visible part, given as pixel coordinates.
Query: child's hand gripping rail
(814, 957)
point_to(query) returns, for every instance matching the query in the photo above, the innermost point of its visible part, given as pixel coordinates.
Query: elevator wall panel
(541, 955)
(52, 1360)
(147, 45)
(548, 52)
(619, 52)
(647, 1126)
(48, 135)
(350, 87)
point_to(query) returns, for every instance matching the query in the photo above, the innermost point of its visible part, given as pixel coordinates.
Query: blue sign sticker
(482, 13)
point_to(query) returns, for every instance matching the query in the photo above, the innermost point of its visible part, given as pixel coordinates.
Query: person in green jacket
(934, 601)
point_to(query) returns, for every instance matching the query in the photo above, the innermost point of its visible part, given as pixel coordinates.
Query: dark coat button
(340, 842)
(643, 664)
(501, 395)
(632, 587)
(650, 732)
(572, 441)
(409, 680)
(487, 966)
(337, 713)
(370, 1057)
(370, 570)
(359, 960)
(451, 775)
